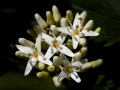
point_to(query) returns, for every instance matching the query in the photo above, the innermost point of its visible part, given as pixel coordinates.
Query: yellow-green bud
(64, 22)
(84, 50)
(20, 55)
(26, 42)
(54, 31)
(82, 41)
(41, 65)
(69, 44)
(56, 81)
(51, 68)
(96, 63)
(89, 25)
(86, 66)
(50, 19)
(41, 22)
(32, 33)
(78, 56)
(83, 16)
(69, 15)
(56, 14)
(57, 61)
(42, 74)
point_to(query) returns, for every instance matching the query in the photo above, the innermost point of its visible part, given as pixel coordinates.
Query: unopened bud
(69, 15)
(84, 50)
(89, 25)
(41, 65)
(32, 33)
(96, 63)
(83, 16)
(41, 22)
(78, 56)
(54, 31)
(86, 66)
(69, 44)
(51, 68)
(38, 29)
(56, 14)
(82, 41)
(26, 42)
(57, 61)
(42, 74)
(50, 19)
(56, 81)
(20, 55)
(64, 22)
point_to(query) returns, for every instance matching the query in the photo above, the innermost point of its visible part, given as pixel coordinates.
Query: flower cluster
(59, 45)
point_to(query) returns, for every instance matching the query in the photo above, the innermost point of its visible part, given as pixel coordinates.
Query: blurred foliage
(106, 14)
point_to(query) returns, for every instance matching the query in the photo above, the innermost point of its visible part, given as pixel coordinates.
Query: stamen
(73, 35)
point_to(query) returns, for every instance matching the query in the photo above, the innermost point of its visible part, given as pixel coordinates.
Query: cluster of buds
(60, 47)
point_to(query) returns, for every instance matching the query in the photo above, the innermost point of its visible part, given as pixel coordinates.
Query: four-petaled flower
(76, 32)
(33, 54)
(56, 45)
(69, 69)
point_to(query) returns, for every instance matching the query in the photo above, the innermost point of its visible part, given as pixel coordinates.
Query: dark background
(15, 18)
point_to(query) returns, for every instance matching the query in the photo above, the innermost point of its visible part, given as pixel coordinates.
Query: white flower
(33, 54)
(69, 70)
(75, 31)
(56, 45)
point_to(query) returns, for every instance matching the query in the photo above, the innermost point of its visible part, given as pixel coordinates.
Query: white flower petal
(65, 61)
(63, 30)
(77, 64)
(75, 77)
(89, 33)
(62, 75)
(50, 52)
(48, 39)
(61, 37)
(24, 49)
(38, 43)
(30, 65)
(63, 49)
(76, 21)
(44, 60)
(75, 40)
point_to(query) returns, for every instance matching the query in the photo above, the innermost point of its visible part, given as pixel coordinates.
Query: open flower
(56, 45)
(33, 54)
(75, 31)
(69, 70)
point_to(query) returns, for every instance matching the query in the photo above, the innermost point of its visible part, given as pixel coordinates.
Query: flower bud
(56, 14)
(57, 61)
(82, 41)
(89, 25)
(54, 31)
(26, 42)
(20, 55)
(51, 68)
(84, 50)
(83, 16)
(86, 66)
(41, 22)
(38, 29)
(64, 22)
(42, 74)
(69, 44)
(50, 19)
(32, 33)
(69, 15)
(56, 81)
(78, 56)
(41, 65)
(96, 63)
